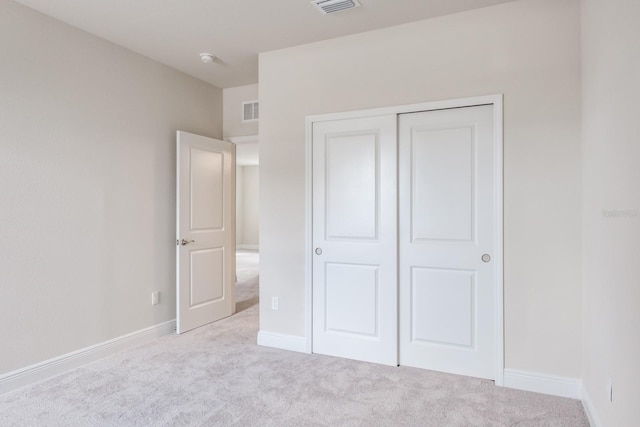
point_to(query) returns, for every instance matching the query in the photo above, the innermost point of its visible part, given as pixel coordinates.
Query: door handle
(486, 258)
(318, 251)
(186, 242)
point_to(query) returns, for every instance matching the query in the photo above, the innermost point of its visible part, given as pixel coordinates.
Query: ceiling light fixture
(207, 57)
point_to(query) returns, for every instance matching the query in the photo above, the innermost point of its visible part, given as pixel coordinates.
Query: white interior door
(446, 240)
(355, 239)
(205, 230)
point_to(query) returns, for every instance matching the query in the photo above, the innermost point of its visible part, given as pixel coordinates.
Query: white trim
(308, 236)
(57, 365)
(282, 341)
(412, 108)
(543, 383)
(242, 139)
(248, 247)
(497, 102)
(498, 290)
(590, 409)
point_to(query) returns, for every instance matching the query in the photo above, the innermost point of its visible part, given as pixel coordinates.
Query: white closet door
(355, 239)
(446, 225)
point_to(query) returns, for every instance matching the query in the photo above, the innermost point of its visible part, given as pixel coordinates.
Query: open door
(205, 239)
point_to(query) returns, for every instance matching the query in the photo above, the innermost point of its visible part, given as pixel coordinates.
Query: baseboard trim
(248, 247)
(590, 409)
(543, 383)
(282, 341)
(57, 365)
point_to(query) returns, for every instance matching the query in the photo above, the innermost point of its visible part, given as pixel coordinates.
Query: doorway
(247, 222)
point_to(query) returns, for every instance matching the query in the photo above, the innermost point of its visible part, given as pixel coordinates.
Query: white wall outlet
(609, 388)
(155, 297)
(274, 303)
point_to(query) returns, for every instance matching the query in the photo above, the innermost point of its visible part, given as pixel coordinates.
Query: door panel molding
(498, 252)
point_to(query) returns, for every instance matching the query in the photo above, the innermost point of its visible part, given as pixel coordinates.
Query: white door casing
(354, 259)
(446, 225)
(205, 238)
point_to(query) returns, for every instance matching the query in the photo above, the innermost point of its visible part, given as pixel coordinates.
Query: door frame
(497, 102)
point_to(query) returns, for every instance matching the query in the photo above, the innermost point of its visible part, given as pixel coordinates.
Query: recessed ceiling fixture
(331, 6)
(207, 57)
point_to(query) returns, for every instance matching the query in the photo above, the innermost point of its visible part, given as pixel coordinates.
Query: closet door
(355, 239)
(446, 240)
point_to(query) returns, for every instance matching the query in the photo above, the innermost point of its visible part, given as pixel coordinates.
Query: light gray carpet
(217, 375)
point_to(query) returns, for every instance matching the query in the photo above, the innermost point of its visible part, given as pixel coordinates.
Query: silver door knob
(486, 258)
(186, 242)
(318, 251)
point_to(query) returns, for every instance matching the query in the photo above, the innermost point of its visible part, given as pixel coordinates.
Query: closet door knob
(486, 258)
(318, 251)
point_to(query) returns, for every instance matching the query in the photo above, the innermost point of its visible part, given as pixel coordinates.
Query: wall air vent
(331, 6)
(250, 111)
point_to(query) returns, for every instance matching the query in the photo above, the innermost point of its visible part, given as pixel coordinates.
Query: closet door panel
(446, 225)
(355, 239)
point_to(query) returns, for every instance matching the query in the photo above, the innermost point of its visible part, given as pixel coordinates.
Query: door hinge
(177, 242)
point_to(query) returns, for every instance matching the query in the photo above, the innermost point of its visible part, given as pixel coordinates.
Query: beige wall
(87, 182)
(232, 111)
(247, 212)
(251, 213)
(611, 232)
(530, 51)
(239, 205)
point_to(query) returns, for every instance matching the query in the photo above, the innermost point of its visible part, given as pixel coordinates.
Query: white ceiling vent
(250, 111)
(331, 6)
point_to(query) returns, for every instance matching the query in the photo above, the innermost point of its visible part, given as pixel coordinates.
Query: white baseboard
(590, 409)
(57, 365)
(248, 247)
(543, 383)
(282, 341)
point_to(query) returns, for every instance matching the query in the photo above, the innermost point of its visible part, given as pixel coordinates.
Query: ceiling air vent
(250, 111)
(331, 6)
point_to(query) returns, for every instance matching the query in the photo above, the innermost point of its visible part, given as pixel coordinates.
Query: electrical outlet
(155, 298)
(609, 388)
(274, 303)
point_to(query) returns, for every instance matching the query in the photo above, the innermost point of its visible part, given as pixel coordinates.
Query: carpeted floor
(217, 375)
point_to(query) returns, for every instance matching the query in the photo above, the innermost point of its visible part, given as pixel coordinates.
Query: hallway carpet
(217, 375)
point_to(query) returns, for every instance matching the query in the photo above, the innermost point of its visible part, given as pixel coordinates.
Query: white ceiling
(175, 32)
